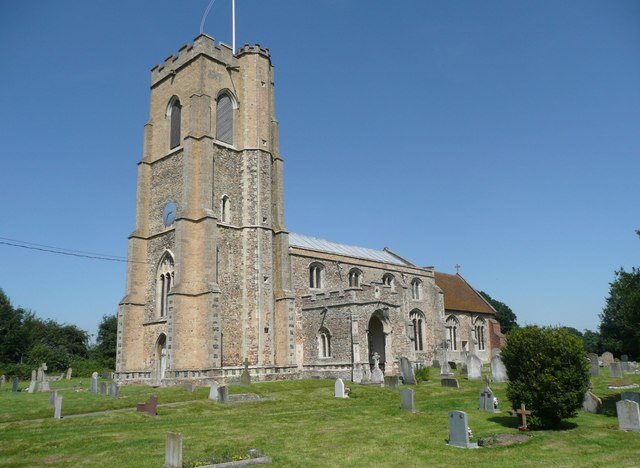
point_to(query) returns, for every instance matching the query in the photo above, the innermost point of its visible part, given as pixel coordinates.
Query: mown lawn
(304, 426)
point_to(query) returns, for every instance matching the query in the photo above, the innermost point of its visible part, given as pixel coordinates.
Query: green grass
(303, 426)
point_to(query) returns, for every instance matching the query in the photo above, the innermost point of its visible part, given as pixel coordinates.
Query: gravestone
(615, 370)
(40, 374)
(435, 364)
(189, 387)
(15, 383)
(173, 450)
(245, 378)
(463, 370)
(591, 403)
(2, 380)
(339, 389)
(486, 400)
(103, 388)
(607, 358)
(594, 368)
(32, 384)
(113, 390)
(94, 382)
(452, 365)
(498, 370)
(392, 381)
(52, 398)
(523, 412)
(459, 430)
(151, 407)
(57, 412)
(406, 369)
(407, 400)
(449, 382)
(377, 377)
(624, 358)
(625, 364)
(69, 372)
(474, 367)
(445, 370)
(632, 396)
(628, 415)
(44, 386)
(213, 391)
(223, 394)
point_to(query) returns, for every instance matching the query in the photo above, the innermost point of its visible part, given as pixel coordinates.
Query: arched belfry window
(164, 283)
(316, 275)
(224, 118)
(173, 113)
(416, 289)
(355, 278)
(417, 319)
(225, 209)
(451, 326)
(324, 343)
(479, 332)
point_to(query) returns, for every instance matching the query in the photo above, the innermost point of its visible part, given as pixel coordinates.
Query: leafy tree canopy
(504, 314)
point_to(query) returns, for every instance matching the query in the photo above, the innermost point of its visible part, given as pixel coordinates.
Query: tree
(13, 335)
(548, 372)
(504, 314)
(105, 349)
(592, 342)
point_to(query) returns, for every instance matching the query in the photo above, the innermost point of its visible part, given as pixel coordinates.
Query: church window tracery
(324, 343)
(355, 278)
(479, 332)
(174, 114)
(316, 274)
(417, 319)
(451, 326)
(388, 280)
(164, 283)
(416, 289)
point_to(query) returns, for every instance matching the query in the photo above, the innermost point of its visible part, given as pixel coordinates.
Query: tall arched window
(164, 283)
(324, 343)
(452, 332)
(417, 319)
(225, 209)
(479, 332)
(316, 274)
(388, 280)
(416, 289)
(173, 112)
(355, 278)
(224, 118)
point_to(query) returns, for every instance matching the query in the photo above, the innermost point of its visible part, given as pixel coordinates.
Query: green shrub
(22, 371)
(422, 374)
(548, 372)
(86, 367)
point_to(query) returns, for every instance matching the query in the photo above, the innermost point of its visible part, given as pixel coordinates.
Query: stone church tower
(209, 277)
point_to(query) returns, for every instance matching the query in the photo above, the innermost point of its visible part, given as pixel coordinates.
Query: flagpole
(233, 24)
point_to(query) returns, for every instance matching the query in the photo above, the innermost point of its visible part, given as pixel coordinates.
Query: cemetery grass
(304, 425)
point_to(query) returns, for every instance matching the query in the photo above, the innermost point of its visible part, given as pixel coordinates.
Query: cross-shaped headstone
(524, 413)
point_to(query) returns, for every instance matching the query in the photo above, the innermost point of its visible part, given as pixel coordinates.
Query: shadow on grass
(609, 405)
(514, 423)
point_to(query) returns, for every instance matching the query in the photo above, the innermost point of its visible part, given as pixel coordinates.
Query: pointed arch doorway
(161, 357)
(377, 339)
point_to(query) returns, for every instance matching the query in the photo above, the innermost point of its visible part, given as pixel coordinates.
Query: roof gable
(460, 295)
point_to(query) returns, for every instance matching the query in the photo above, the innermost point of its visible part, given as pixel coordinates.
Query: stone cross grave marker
(449, 382)
(406, 369)
(40, 374)
(245, 377)
(376, 375)
(615, 370)
(407, 400)
(213, 391)
(32, 384)
(486, 400)
(94, 382)
(15, 383)
(113, 390)
(633, 396)
(498, 370)
(474, 367)
(392, 381)
(594, 368)
(591, 403)
(69, 372)
(173, 450)
(523, 412)
(57, 412)
(628, 415)
(52, 398)
(459, 430)
(223, 394)
(339, 389)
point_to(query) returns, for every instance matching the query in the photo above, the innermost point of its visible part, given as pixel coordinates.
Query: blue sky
(499, 135)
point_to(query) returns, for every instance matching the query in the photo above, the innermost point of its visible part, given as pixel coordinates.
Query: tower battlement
(203, 45)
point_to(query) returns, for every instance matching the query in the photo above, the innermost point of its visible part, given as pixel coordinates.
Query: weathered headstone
(607, 358)
(69, 372)
(57, 412)
(377, 377)
(406, 369)
(339, 389)
(94, 382)
(498, 370)
(459, 430)
(245, 377)
(173, 450)
(474, 367)
(407, 400)
(453, 365)
(32, 384)
(435, 364)
(449, 382)
(113, 390)
(615, 370)
(628, 415)
(15, 383)
(594, 368)
(150, 407)
(463, 370)
(103, 388)
(223, 394)
(43, 386)
(189, 387)
(40, 374)
(624, 363)
(445, 370)
(392, 381)
(213, 391)
(632, 396)
(52, 398)
(486, 400)
(591, 403)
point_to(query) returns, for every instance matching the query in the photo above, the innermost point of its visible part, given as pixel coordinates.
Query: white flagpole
(233, 25)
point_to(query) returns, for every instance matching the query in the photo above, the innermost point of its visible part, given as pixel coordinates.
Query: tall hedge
(548, 371)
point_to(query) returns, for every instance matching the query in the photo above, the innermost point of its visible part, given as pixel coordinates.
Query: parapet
(203, 45)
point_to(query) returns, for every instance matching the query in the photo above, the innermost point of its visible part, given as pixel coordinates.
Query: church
(214, 277)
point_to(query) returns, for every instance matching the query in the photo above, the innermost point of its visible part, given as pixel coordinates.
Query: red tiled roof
(460, 295)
